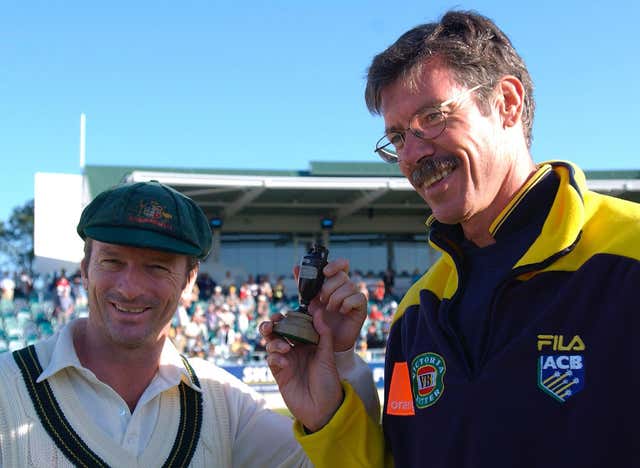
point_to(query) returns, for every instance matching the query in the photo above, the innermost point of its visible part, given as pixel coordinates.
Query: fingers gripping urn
(298, 325)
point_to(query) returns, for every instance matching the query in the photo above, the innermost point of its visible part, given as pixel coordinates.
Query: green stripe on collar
(71, 444)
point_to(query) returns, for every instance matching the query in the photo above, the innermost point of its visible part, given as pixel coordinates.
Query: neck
(127, 371)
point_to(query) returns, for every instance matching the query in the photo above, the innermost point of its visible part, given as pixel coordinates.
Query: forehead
(429, 83)
(135, 253)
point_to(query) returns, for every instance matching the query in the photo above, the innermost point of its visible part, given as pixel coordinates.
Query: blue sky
(276, 84)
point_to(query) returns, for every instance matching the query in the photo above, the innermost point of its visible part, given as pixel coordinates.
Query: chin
(447, 216)
(130, 339)
(445, 220)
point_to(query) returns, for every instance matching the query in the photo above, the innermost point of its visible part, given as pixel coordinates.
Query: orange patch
(400, 400)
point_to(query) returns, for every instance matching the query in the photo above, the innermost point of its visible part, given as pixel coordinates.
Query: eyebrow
(163, 257)
(108, 251)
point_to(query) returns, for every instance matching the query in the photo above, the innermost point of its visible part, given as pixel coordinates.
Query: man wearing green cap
(112, 390)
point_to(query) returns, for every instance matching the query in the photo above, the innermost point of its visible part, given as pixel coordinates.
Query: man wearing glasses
(514, 349)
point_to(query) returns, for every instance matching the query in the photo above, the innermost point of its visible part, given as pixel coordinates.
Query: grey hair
(470, 45)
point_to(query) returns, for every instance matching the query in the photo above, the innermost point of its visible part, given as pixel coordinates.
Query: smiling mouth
(433, 170)
(129, 310)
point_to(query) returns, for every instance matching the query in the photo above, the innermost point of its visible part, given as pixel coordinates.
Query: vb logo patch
(427, 373)
(561, 372)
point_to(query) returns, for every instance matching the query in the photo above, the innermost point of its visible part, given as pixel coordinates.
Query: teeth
(130, 311)
(436, 177)
(432, 170)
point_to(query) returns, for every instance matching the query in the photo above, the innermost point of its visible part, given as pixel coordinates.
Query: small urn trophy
(298, 325)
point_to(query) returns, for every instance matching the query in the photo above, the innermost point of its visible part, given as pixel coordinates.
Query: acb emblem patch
(427, 373)
(561, 374)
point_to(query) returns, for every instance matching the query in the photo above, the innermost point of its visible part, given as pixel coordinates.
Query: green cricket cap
(149, 215)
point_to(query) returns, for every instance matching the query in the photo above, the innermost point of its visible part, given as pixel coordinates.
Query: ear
(84, 274)
(191, 279)
(510, 100)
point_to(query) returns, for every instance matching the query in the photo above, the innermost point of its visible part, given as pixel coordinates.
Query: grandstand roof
(367, 197)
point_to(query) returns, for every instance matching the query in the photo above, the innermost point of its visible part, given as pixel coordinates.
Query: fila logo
(556, 343)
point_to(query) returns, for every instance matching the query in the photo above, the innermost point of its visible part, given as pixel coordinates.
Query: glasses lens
(386, 150)
(387, 156)
(429, 123)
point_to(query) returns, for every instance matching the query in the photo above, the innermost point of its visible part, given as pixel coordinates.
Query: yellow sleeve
(350, 439)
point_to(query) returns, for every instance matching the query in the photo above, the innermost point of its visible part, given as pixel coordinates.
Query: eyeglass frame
(392, 158)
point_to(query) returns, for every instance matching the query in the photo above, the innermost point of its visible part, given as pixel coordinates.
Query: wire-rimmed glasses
(428, 123)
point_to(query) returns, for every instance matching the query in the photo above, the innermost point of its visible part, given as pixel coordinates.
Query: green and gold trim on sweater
(71, 444)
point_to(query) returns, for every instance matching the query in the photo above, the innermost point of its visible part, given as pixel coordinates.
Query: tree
(16, 237)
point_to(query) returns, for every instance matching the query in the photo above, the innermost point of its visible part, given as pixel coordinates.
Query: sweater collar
(171, 369)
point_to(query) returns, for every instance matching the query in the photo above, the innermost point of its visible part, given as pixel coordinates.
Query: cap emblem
(152, 212)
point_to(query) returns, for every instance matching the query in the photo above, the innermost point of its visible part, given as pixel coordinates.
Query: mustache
(431, 166)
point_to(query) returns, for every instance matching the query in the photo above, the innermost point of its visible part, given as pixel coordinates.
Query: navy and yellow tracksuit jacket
(546, 377)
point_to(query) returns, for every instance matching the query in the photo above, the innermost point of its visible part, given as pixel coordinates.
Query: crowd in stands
(217, 320)
(34, 308)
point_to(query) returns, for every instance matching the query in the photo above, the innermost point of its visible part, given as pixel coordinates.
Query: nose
(129, 283)
(415, 149)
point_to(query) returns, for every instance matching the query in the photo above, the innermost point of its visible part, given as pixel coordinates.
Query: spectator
(197, 328)
(242, 322)
(212, 317)
(211, 352)
(65, 306)
(265, 288)
(254, 289)
(374, 338)
(263, 309)
(8, 286)
(78, 292)
(246, 302)
(224, 337)
(25, 284)
(39, 287)
(362, 349)
(181, 317)
(206, 286)
(227, 282)
(375, 314)
(379, 292)
(218, 298)
(226, 316)
(239, 349)
(232, 299)
(279, 293)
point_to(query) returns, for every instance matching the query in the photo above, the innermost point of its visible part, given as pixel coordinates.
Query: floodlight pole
(83, 124)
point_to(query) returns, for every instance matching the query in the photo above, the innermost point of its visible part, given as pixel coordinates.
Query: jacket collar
(561, 227)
